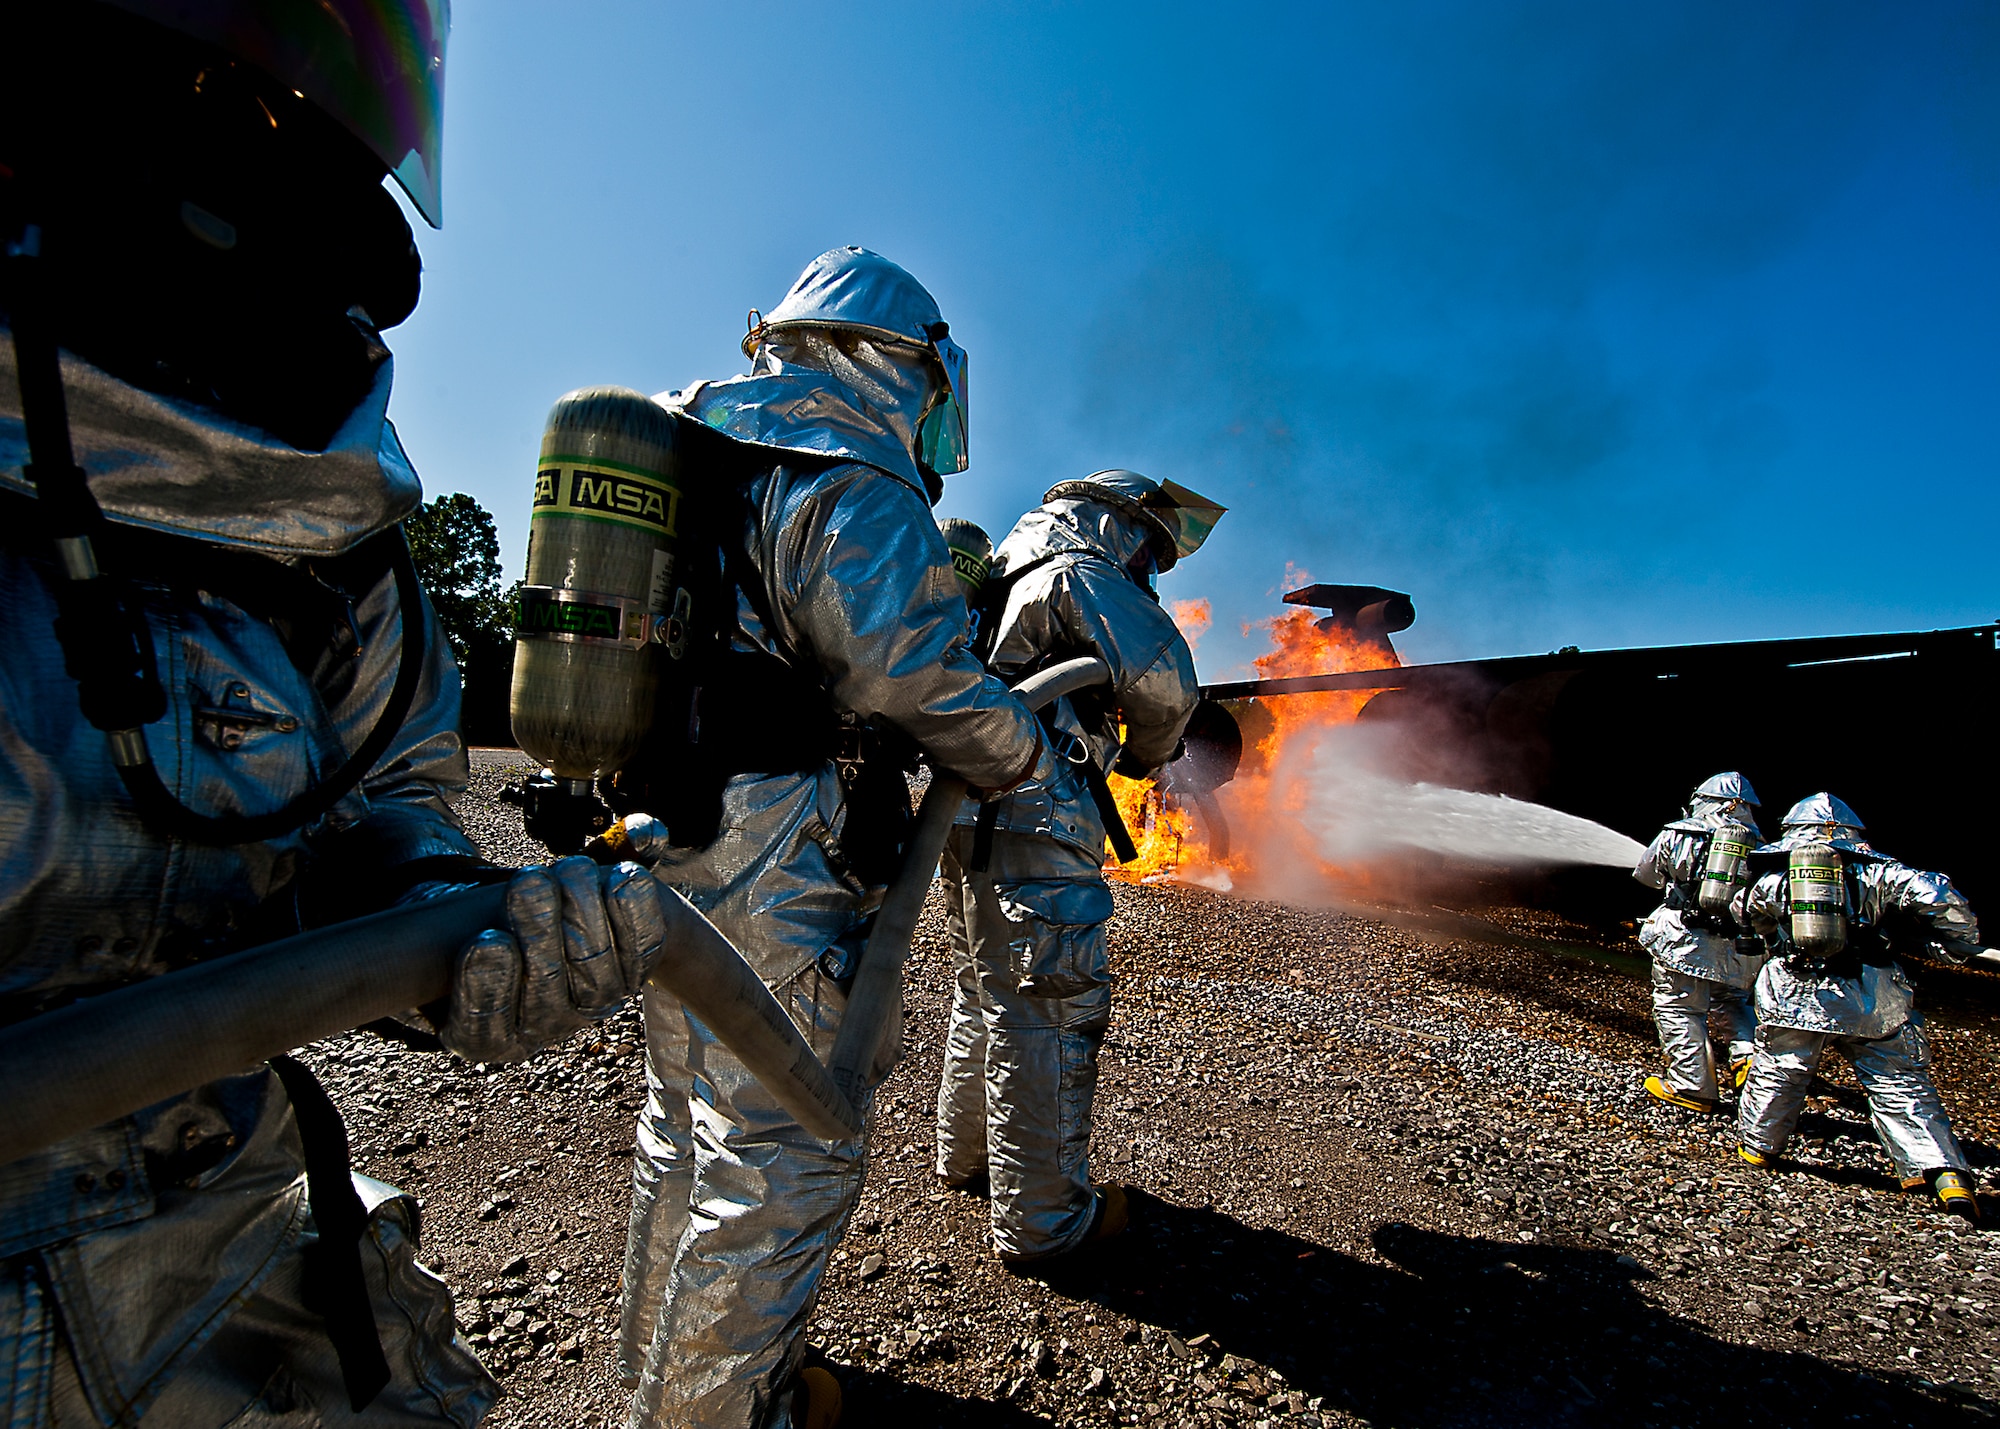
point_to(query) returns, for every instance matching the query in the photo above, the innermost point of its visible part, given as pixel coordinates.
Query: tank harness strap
(982, 835)
(1094, 780)
(992, 602)
(336, 1288)
(1107, 808)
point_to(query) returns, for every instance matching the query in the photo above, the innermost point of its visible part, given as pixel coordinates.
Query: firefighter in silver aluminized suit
(858, 393)
(1024, 875)
(202, 258)
(1699, 961)
(1855, 1000)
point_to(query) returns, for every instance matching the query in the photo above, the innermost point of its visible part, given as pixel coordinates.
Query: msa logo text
(622, 496)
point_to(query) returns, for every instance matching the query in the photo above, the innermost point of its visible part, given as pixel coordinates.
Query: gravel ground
(1392, 1167)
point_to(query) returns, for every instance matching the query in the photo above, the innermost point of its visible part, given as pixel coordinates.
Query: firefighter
(1699, 960)
(1024, 875)
(848, 650)
(225, 706)
(1834, 918)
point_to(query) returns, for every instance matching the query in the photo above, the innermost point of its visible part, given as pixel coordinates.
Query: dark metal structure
(1902, 726)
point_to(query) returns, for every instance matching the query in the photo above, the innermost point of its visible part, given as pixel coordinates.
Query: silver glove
(580, 941)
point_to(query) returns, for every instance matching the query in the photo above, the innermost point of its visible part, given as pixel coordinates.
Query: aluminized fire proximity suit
(1698, 963)
(736, 1207)
(197, 474)
(163, 1251)
(1033, 994)
(1859, 1003)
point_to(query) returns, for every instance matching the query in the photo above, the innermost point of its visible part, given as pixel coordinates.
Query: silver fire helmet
(853, 289)
(1727, 787)
(376, 66)
(1179, 518)
(1821, 818)
(1818, 810)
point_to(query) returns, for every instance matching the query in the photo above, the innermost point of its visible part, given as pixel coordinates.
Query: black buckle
(850, 751)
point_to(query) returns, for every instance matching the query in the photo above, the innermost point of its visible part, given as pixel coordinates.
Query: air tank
(971, 554)
(602, 538)
(1819, 900)
(1727, 868)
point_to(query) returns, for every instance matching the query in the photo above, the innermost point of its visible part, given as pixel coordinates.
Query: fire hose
(108, 1056)
(877, 995)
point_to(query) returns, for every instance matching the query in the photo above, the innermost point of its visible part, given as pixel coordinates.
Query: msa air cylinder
(1819, 900)
(601, 545)
(971, 554)
(1727, 868)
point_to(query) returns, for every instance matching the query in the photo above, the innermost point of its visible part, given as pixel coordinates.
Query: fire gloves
(580, 940)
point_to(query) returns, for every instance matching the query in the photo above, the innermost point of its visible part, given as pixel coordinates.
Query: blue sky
(1586, 324)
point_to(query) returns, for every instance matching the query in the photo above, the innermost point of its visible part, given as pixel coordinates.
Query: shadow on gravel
(871, 1397)
(1878, 1176)
(1458, 1331)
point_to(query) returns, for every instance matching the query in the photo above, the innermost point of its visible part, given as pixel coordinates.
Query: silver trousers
(269, 1363)
(1029, 1012)
(1894, 1071)
(735, 1210)
(1681, 1004)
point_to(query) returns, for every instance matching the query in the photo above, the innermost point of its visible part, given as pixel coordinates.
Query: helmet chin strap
(100, 620)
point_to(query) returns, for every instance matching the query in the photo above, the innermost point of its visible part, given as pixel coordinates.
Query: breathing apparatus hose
(101, 623)
(877, 993)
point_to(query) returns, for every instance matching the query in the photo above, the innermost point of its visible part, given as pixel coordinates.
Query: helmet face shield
(941, 437)
(375, 66)
(1190, 516)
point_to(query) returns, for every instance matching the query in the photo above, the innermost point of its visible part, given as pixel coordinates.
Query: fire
(1268, 848)
(1193, 617)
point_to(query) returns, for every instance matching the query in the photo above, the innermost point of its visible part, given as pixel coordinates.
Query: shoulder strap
(992, 601)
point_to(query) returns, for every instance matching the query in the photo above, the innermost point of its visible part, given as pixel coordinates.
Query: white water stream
(1354, 814)
(1358, 815)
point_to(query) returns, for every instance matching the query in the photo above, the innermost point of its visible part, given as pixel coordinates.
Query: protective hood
(1070, 524)
(1818, 809)
(852, 290)
(166, 465)
(1821, 819)
(805, 393)
(1179, 519)
(1704, 814)
(1728, 786)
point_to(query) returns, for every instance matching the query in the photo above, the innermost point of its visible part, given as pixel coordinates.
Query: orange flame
(1193, 617)
(1269, 849)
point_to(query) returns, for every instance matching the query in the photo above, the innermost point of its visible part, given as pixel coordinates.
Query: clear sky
(1587, 324)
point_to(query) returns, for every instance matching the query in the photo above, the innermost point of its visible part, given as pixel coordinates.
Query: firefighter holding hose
(226, 708)
(1699, 961)
(844, 651)
(1834, 915)
(1025, 890)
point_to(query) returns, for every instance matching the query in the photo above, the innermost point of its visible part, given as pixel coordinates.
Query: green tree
(457, 553)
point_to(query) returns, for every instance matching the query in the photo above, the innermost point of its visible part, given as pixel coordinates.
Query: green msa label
(606, 491)
(969, 568)
(546, 614)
